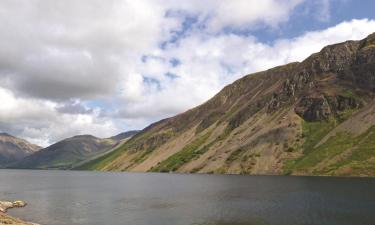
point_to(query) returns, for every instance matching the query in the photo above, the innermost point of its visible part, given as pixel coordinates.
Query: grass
(312, 132)
(188, 153)
(102, 161)
(348, 93)
(333, 147)
(362, 159)
(358, 160)
(235, 155)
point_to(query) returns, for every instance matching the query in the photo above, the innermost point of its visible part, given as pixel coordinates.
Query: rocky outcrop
(4, 205)
(324, 107)
(6, 219)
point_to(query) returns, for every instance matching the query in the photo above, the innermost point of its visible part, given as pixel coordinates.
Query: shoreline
(5, 219)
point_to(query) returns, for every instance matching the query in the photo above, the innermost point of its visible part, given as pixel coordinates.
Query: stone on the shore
(19, 203)
(4, 205)
(6, 219)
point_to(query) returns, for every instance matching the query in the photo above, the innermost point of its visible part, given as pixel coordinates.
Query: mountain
(124, 135)
(314, 117)
(66, 153)
(119, 139)
(13, 149)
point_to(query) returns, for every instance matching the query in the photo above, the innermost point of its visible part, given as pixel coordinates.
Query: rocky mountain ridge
(13, 149)
(292, 119)
(70, 152)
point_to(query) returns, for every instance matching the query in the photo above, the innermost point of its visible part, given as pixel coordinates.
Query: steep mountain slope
(66, 153)
(314, 117)
(13, 149)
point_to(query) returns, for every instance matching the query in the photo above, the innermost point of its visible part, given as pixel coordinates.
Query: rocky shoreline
(6, 219)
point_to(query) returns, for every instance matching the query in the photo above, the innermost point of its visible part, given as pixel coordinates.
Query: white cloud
(39, 121)
(72, 49)
(244, 13)
(207, 63)
(58, 56)
(238, 14)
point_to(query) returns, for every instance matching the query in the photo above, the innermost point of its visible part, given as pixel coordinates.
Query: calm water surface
(89, 198)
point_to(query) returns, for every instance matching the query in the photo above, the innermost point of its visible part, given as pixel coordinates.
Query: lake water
(90, 198)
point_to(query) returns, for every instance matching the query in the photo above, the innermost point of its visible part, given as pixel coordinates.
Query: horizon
(120, 66)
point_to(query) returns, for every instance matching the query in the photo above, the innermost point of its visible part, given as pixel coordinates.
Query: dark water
(69, 198)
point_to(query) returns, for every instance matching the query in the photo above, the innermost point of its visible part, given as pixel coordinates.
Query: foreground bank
(6, 219)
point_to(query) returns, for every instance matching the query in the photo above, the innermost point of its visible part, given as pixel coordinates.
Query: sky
(102, 67)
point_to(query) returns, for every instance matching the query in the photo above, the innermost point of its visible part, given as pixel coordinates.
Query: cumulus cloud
(74, 49)
(74, 67)
(43, 123)
(73, 107)
(214, 61)
(239, 14)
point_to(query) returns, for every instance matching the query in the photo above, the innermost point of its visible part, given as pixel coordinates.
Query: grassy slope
(342, 154)
(101, 161)
(188, 153)
(359, 161)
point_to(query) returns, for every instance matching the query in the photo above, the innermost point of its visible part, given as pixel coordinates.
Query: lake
(91, 198)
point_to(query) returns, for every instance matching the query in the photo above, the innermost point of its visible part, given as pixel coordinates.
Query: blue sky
(104, 67)
(307, 16)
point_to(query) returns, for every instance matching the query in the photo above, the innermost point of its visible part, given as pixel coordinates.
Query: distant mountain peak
(5, 134)
(66, 153)
(88, 136)
(13, 149)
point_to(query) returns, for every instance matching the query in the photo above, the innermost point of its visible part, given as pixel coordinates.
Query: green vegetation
(313, 132)
(235, 155)
(334, 146)
(340, 151)
(290, 149)
(100, 162)
(189, 152)
(361, 160)
(348, 93)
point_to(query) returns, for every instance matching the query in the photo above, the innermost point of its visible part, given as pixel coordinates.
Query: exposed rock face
(13, 149)
(324, 107)
(259, 123)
